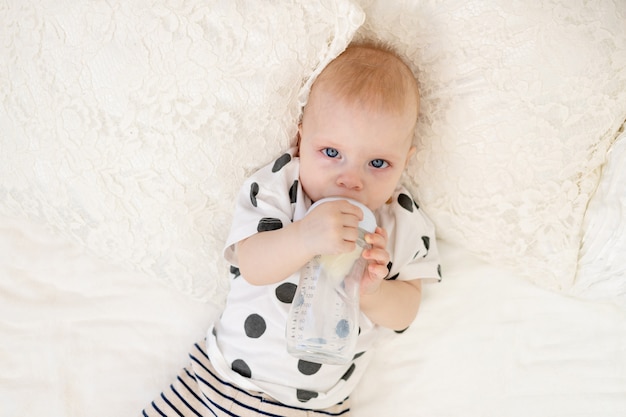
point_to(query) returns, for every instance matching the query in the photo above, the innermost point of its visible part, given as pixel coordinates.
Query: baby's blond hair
(372, 75)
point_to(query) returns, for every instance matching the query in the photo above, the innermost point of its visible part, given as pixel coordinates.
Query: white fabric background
(116, 164)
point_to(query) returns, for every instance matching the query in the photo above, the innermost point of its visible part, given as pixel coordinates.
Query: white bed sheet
(79, 337)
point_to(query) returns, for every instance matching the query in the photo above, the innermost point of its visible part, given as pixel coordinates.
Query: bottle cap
(369, 220)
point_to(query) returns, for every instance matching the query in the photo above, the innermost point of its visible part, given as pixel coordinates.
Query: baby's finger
(377, 239)
(377, 255)
(348, 208)
(377, 271)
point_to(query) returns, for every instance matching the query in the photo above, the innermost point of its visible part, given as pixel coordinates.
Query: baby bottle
(323, 322)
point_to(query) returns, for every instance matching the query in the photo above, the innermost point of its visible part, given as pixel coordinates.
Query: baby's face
(348, 151)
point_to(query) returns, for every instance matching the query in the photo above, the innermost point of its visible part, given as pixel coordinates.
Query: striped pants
(199, 391)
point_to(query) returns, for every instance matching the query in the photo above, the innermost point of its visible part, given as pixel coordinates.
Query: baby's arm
(269, 257)
(392, 304)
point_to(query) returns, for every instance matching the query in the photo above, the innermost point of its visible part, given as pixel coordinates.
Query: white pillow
(602, 266)
(520, 103)
(130, 128)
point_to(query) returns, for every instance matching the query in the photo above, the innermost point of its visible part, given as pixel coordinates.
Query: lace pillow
(520, 102)
(130, 128)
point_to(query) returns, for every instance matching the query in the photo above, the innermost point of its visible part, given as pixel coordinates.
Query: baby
(354, 141)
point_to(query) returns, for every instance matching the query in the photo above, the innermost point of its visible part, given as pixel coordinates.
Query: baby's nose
(350, 179)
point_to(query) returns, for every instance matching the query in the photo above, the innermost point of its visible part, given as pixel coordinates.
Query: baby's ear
(298, 139)
(299, 134)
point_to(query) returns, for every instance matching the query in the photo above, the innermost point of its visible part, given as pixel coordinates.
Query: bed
(126, 129)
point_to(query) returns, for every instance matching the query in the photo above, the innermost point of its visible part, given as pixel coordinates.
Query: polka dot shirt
(247, 344)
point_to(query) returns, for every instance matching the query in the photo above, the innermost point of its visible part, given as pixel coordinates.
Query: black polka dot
(358, 355)
(281, 162)
(389, 265)
(254, 191)
(401, 331)
(405, 202)
(241, 368)
(254, 326)
(416, 253)
(343, 328)
(439, 272)
(267, 224)
(349, 372)
(417, 206)
(285, 292)
(393, 278)
(426, 241)
(305, 395)
(293, 192)
(308, 368)
(235, 271)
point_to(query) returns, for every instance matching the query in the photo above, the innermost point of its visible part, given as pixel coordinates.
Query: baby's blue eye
(331, 152)
(379, 163)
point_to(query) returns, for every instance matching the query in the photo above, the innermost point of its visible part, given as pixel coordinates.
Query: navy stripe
(190, 390)
(170, 404)
(203, 353)
(157, 409)
(182, 399)
(195, 395)
(231, 399)
(185, 402)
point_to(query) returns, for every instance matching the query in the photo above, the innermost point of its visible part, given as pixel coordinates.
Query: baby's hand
(331, 228)
(378, 258)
